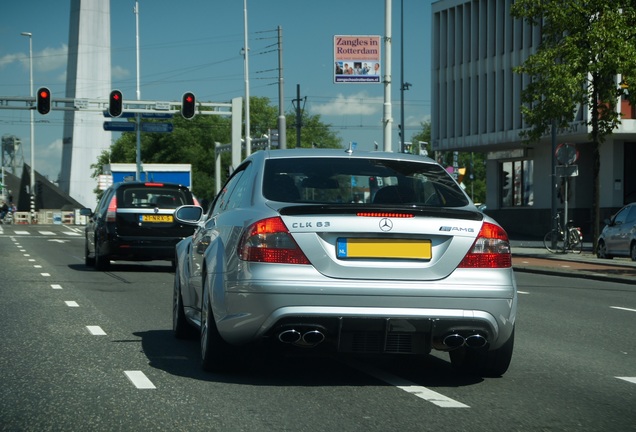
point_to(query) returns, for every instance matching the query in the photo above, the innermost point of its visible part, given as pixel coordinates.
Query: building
(88, 76)
(476, 99)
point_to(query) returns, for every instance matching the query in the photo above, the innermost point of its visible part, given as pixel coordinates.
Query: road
(88, 350)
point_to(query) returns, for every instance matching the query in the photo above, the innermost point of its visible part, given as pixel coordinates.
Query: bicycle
(559, 240)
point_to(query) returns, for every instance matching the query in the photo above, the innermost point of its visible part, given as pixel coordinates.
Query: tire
(216, 354)
(601, 251)
(481, 362)
(575, 241)
(632, 251)
(102, 262)
(88, 260)
(558, 242)
(180, 325)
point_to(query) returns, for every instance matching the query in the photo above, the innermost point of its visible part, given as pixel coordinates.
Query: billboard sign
(357, 59)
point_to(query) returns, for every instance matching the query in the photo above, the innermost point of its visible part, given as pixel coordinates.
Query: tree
(313, 132)
(475, 178)
(584, 47)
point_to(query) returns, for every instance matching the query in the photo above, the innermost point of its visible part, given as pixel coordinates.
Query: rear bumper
(139, 249)
(367, 324)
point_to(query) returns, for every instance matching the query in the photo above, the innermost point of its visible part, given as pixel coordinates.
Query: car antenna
(350, 149)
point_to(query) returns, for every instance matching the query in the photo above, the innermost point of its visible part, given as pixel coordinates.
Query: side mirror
(188, 214)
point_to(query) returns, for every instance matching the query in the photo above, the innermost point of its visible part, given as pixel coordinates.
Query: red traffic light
(43, 100)
(115, 103)
(188, 105)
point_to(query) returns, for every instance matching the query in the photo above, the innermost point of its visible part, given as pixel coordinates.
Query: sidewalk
(530, 256)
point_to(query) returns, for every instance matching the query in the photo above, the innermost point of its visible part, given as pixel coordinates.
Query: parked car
(353, 252)
(134, 221)
(618, 238)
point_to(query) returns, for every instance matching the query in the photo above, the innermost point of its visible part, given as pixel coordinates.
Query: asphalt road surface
(88, 350)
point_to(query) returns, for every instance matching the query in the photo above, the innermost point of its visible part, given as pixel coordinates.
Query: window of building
(515, 186)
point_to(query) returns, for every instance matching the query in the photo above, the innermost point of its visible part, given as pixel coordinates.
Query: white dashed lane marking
(96, 330)
(623, 308)
(139, 380)
(628, 379)
(71, 304)
(409, 387)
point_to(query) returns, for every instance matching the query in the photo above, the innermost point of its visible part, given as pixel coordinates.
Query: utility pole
(138, 116)
(387, 120)
(299, 113)
(403, 85)
(248, 139)
(32, 178)
(282, 121)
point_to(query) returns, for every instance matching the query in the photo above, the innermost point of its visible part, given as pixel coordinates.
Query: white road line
(70, 233)
(45, 274)
(37, 266)
(96, 330)
(139, 380)
(46, 232)
(71, 304)
(523, 292)
(56, 286)
(22, 232)
(628, 379)
(622, 308)
(26, 255)
(409, 387)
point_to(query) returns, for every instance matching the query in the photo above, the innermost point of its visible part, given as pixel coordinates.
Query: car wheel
(180, 326)
(88, 260)
(601, 251)
(480, 361)
(101, 262)
(216, 354)
(632, 251)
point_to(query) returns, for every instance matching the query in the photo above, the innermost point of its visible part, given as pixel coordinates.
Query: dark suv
(134, 221)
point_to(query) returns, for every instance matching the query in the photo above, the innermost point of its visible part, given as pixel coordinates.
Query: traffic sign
(566, 153)
(156, 127)
(119, 126)
(149, 115)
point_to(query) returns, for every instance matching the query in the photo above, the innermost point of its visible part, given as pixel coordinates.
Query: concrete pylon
(88, 75)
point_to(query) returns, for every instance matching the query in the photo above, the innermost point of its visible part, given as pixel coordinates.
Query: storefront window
(515, 188)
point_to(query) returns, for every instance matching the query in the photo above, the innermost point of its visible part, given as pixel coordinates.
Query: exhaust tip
(289, 336)
(313, 337)
(454, 340)
(476, 341)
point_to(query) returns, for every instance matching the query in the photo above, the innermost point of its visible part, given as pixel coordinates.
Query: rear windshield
(151, 197)
(365, 181)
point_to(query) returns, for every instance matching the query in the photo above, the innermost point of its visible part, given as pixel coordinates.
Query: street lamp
(32, 182)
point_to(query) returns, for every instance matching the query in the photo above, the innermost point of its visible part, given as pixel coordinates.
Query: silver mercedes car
(349, 252)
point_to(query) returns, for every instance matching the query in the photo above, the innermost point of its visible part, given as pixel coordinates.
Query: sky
(196, 45)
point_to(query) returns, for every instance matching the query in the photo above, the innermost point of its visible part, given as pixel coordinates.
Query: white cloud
(49, 59)
(119, 72)
(12, 58)
(357, 104)
(49, 159)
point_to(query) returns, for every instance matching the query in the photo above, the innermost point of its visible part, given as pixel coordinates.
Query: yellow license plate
(156, 218)
(384, 248)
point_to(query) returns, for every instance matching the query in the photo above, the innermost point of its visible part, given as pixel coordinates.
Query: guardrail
(50, 217)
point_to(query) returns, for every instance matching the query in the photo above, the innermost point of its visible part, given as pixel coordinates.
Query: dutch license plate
(384, 248)
(156, 218)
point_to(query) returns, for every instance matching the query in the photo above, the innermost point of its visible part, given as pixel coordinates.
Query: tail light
(490, 250)
(269, 241)
(111, 212)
